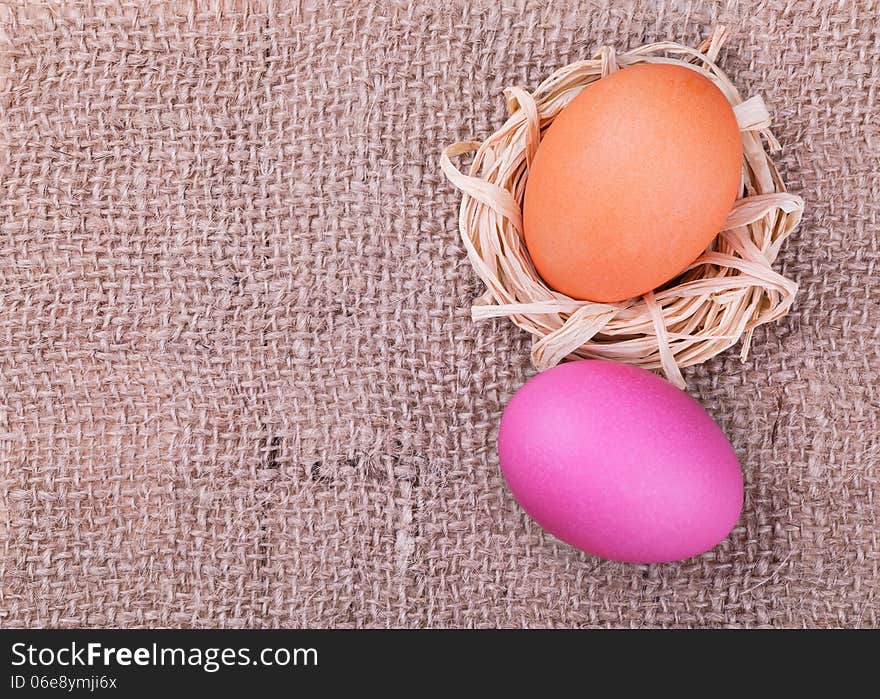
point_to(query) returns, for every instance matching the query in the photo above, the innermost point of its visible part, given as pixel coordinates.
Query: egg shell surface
(631, 182)
(619, 463)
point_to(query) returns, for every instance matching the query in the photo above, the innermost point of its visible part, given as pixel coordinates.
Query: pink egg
(619, 463)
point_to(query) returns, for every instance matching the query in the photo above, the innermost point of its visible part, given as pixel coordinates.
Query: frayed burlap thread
(240, 385)
(718, 300)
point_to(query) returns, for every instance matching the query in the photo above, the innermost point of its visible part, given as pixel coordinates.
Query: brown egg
(631, 182)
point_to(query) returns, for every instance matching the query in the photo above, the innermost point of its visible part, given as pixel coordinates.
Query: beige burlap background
(239, 385)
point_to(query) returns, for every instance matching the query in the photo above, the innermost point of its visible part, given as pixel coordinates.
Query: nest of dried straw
(718, 300)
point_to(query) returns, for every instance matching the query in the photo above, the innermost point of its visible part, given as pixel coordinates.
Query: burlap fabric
(240, 385)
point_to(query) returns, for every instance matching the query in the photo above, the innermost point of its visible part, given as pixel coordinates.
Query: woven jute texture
(239, 383)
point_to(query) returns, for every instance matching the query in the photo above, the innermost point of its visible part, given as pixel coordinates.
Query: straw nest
(719, 299)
